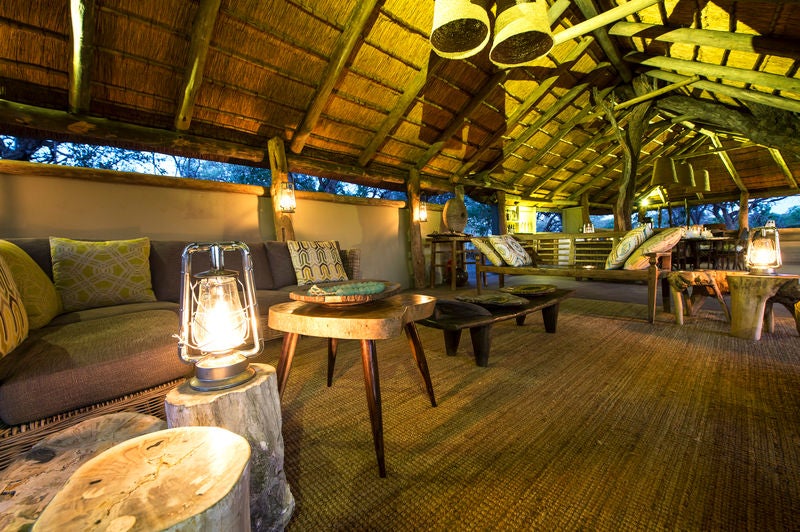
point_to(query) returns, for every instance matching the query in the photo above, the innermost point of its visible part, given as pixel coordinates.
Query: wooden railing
(571, 249)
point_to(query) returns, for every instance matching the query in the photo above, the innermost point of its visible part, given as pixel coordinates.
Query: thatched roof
(354, 90)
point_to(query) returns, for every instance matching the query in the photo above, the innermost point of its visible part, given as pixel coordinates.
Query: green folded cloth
(348, 289)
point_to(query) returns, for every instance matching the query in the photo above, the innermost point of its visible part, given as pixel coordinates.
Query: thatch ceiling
(353, 89)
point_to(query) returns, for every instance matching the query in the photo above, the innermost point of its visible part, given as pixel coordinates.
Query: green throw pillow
(38, 292)
(101, 274)
(316, 262)
(13, 318)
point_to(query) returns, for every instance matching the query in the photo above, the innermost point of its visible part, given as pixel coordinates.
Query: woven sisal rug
(610, 424)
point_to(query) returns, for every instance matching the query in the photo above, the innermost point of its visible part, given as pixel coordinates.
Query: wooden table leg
(333, 343)
(451, 341)
(481, 337)
(285, 360)
(550, 317)
(453, 264)
(369, 359)
(419, 357)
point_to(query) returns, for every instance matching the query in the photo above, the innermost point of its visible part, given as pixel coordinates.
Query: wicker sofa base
(17, 440)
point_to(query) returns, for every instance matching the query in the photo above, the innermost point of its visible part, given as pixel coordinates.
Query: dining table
(692, 253)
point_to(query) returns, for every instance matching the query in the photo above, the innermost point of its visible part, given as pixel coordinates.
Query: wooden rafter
(726, 160)
(202, 29)
(581, 116)
(602, 19)
(359, 18)
(709, 70)
(609, 48)
(777, 156)
(399, 110)
(567, 160)
(718, 39)
(82, 28)
(525, 107)
(747, 95)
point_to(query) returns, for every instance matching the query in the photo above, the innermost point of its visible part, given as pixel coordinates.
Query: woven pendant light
(684, 173)
(460, 27)
(663, 173)
(521, 34)
(702, 183)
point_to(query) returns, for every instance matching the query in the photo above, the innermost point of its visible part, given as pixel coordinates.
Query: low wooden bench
(660, 265)
(452, 317)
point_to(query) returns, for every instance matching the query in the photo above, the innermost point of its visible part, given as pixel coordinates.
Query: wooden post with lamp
(281, 190)
(415, 233)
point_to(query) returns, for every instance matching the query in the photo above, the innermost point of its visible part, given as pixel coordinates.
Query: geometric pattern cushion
(482, 244)
(661, 242)
(632, 240)
(100, 274)
(38, 292)
(510, 250)
(316, 261)
(13, 318)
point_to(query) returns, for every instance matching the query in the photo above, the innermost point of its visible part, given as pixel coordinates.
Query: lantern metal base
(221, 378)
(762, 271)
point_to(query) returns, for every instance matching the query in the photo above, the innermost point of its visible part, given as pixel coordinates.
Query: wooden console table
(454, 245)
(377, 320)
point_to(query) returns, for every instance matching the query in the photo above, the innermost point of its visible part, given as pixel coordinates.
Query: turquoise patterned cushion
(316, 261)
(13, 318)
(482, 244)
(659, 243)
(101, 274)
(632, 240)
(510, 250)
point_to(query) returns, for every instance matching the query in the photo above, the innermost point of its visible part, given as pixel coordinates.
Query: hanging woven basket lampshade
(663, 173)
(461, 28)
(684, 173)
(702, 182)
(521, 33)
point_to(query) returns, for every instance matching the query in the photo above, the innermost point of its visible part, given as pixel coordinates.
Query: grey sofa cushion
(61, 368)
(114, 310)
(280, 261)
(39, 251)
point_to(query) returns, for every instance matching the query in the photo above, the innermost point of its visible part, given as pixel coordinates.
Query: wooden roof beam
(777, 156)
(602, 19)
(600, 137)
(763, 98)
(359, 18)
(742, 42)
(609, 48)
(202, 29)
(525, 107)
(82, 24)
(726, 159)
(775, 81)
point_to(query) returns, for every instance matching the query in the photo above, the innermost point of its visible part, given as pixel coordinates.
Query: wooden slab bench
(452, 317)
(660, 265)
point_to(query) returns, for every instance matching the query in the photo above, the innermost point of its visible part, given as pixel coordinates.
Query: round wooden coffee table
(377, 320)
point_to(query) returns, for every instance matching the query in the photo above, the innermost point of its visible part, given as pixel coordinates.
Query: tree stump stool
(30, 483)
(788, 295)
(253, 411)
(189, 478)
(703, 283)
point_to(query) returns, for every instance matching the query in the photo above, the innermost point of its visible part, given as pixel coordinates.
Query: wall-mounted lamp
(764, 250)
(423, 210)
(286, 200)
(218, 332)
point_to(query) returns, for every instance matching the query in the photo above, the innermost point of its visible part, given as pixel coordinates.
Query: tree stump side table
(749, 295)
(189, 478)
(253, 411)
(31, 482)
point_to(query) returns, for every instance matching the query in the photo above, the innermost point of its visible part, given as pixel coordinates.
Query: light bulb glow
(219, 323)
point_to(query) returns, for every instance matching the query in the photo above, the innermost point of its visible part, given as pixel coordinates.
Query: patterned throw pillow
(632, 240)
(486, 249)
(510, 250)
(316, 261)
(101, 274)
(658, 243)
(38, 292)
(13, 318)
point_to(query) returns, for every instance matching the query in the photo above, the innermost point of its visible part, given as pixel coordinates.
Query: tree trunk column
(253, 411)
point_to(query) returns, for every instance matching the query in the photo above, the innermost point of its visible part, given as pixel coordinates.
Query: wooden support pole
(284, 229)
(502, 226)
(82, 19)
(744, 212)
(415, 233)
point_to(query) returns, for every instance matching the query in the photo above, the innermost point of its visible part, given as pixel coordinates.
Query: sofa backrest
(272, 264)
